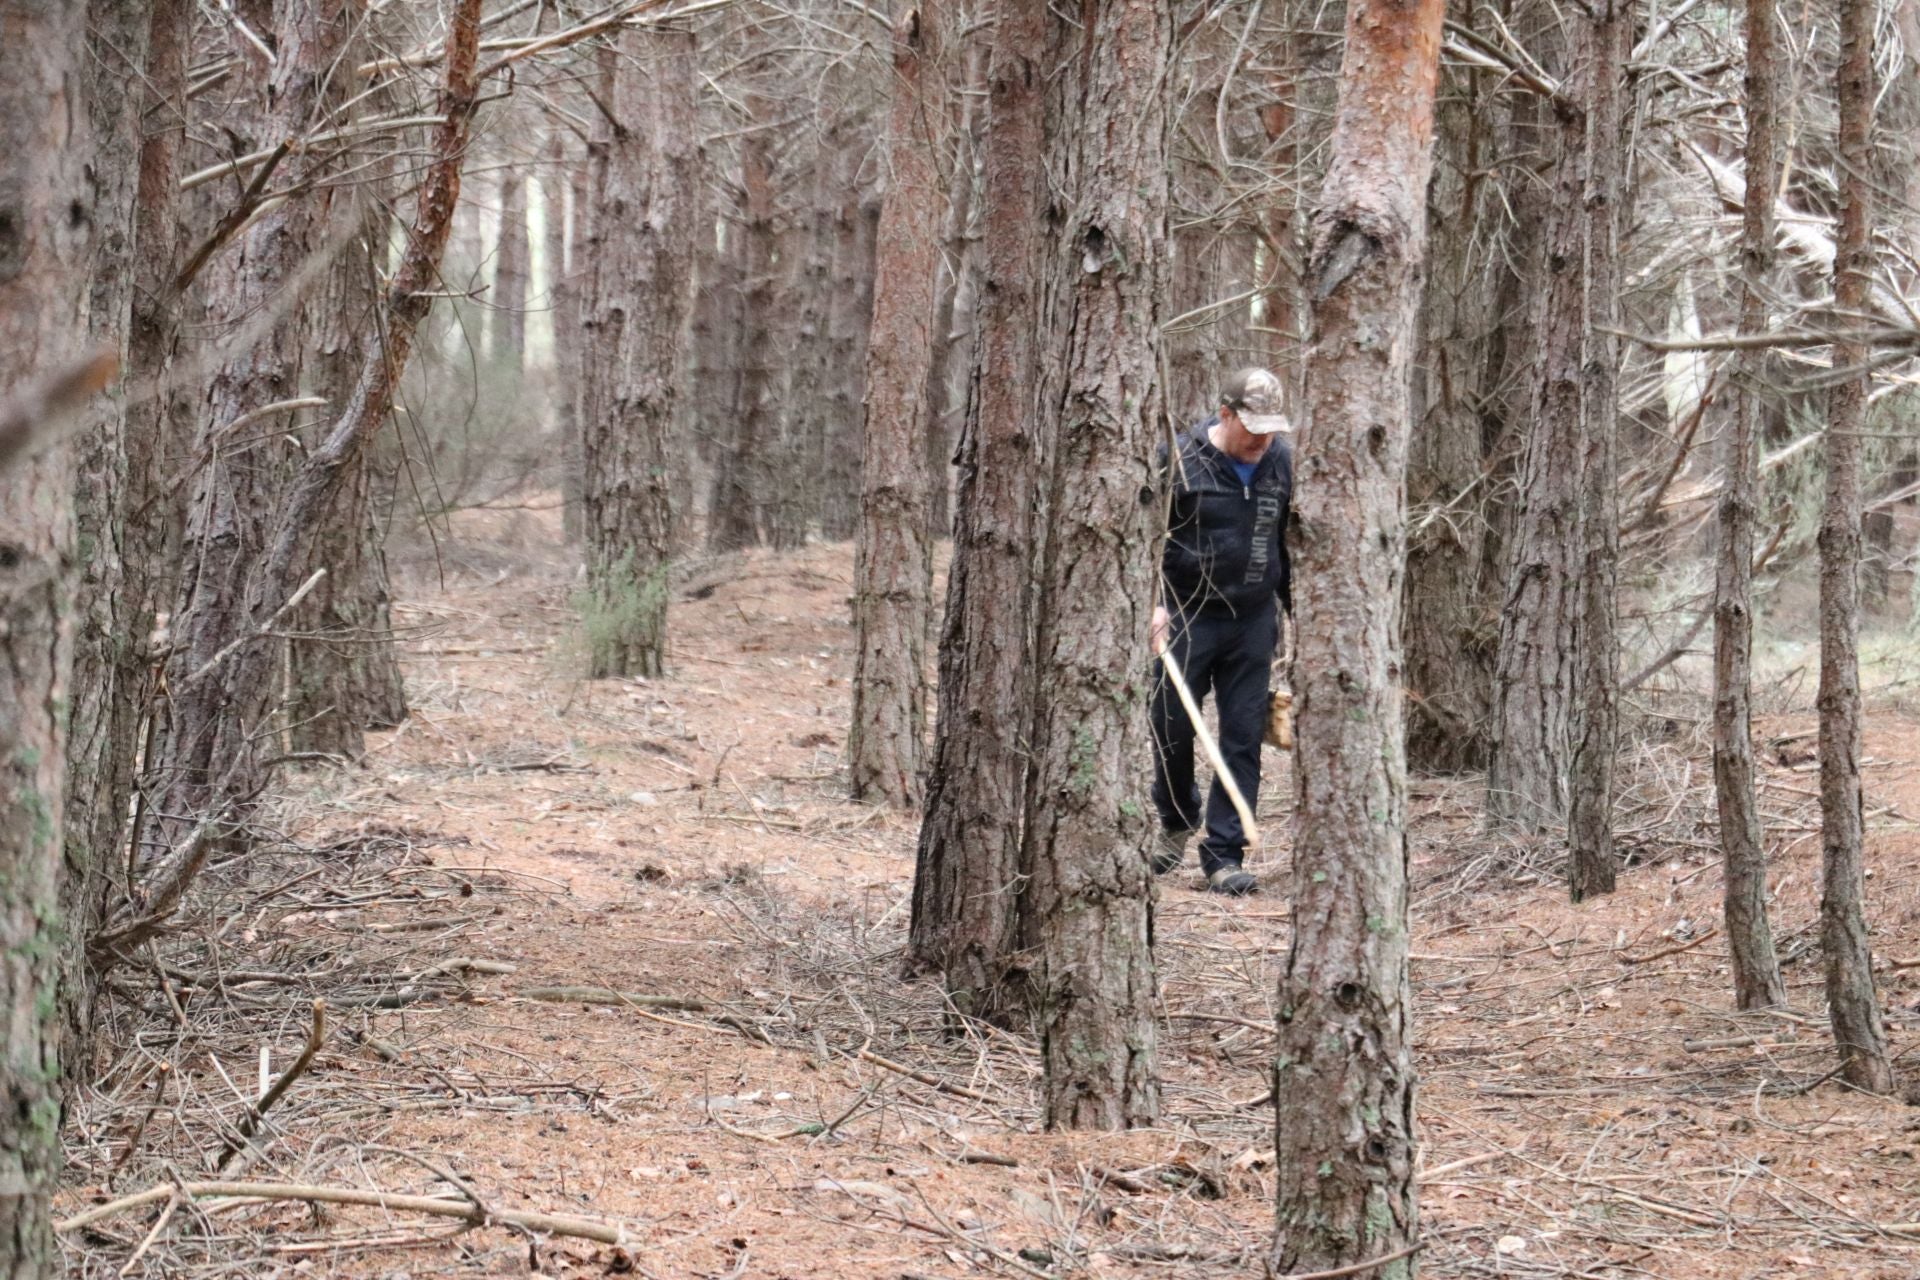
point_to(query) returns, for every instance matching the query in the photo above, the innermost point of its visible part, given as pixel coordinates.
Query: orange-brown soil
(1588, 1104)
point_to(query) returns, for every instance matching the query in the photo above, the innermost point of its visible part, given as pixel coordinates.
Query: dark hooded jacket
(1226, 551)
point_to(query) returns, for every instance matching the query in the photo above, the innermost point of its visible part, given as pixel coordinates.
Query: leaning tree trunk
(210, 759)
(1852, 1005)
(247, 669)
(1088, 912)
(1536, 672)
(1343, 1067)
(1756, 968)
(1607, 28)
(893, 559)
(43, 289)
(965, 885)
(645, 211)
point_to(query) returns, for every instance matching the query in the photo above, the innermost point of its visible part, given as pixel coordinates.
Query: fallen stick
(1455, 1166)
(1357, 1268)
(250, 1123)
(1212, 749)
(926, 1078)
(582, 1228)
(1736, 1042)
(463, 964)
(1668, 951)
(607, 995)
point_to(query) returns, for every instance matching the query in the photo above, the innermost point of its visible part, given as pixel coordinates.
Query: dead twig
(580, 1228)
(1357, 1268)
(607, 995)
(250, 1123)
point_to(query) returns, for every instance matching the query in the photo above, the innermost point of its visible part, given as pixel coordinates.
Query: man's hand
(1157, 634)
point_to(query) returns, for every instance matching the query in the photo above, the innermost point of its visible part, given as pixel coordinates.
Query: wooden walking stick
(1212, 749)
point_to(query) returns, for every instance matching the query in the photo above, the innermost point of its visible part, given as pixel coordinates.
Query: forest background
(737, 415)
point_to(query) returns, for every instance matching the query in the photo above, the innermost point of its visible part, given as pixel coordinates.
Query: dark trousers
(1232, 658)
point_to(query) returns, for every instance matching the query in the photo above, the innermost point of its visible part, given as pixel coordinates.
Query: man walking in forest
(1224, 582)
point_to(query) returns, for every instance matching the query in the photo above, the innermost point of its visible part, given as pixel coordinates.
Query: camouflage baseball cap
(1260, 401)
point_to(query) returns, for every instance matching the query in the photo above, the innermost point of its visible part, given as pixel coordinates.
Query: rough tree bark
(757, 447)
(747, 368)
(215, 733)
(108, 592)
(1756, 968)
(1536, 673)
(1607, 29)
(343, 673)
(45, 230)
(1087, 912)
(154, 518)
(810, 287)
(893, 558)
(246, 668)
(956, 275)
(1343, 1069)
(856, 240)
(645, 219)
(1852, 1005)
(968, 874)
(1452, 603)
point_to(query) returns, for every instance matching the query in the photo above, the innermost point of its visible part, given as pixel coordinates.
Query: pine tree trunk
(956, 268)
(209, 698)
(1536, 676)
(160, 431)
(731, 514)
(566, 229)
(745, 367)
(1452, 603)
(511, 266)
(1607, 27)
(781, 452)
(566, 238)
(645, 209)
(1088, 912)
(44, 153)
(856, 240)
(108, 652)
(811, 288)
(965, 888)
(893, 559)
(343, 674)
(1283, 305)
(1756, 968)
(1852, 1005)
(1343, 1070)
(218, 732)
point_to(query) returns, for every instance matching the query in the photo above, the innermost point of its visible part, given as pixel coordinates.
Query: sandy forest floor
(1588, 1105)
